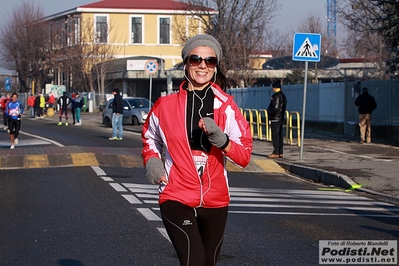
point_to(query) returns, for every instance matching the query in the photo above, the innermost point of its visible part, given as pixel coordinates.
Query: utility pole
(332, 21)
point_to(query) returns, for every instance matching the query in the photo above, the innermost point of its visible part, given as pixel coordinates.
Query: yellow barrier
(297, 127)
(287, 125)
(264, 124)
(262, 121)
(252, 113)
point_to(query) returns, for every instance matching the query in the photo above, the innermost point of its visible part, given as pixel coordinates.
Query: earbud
(214, 77)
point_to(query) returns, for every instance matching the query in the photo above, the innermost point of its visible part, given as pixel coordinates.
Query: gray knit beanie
(202, 40)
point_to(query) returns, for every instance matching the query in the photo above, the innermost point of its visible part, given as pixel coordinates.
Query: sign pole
(306, 48)
(151, 67)
(304, 109)
(149, 107)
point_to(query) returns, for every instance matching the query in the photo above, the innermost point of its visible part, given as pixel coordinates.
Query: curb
(329, 178)
(320, 176)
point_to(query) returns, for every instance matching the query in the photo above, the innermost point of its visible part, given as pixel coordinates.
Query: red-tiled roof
(139, 4)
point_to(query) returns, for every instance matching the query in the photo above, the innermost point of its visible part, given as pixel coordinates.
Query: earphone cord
(199, 113)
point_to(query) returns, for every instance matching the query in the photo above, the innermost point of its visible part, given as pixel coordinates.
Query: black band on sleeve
(227, 143)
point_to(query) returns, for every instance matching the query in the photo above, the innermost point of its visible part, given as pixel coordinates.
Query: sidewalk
(335, 160)
(341, 161)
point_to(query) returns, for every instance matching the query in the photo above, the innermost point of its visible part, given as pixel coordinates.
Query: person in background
(31, 104)
(51, 100)
(117, 116)
(276, 112)
(38, 110)
(77, 104)
(64, 101)
(14, 110)
(4, 102)
(42, 103)
(73, 107)
(367, 105)
(200, 126)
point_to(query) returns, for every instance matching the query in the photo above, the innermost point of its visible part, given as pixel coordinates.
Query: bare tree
(239, 25)
(279, 43)
(22, 40)
(99, 54)
(364, 21)
(77, 51)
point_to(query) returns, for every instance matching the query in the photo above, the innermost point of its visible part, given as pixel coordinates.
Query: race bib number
(13, 112)
(200, 159)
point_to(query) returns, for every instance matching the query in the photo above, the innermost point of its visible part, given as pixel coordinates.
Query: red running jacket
(166, 128)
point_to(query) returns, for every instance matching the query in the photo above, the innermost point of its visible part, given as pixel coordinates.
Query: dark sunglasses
(196, 60)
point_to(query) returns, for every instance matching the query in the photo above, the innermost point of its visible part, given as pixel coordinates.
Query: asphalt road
(99, 215)
(110, 216)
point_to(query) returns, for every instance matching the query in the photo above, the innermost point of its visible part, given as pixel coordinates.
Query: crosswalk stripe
(313, 207)
(117, 187)
(246, 200)
(148, 214)
(296, 200)
(332, 203)
(132, 199)
(316, 214)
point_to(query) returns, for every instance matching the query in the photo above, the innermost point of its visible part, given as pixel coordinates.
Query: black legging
(196, 233)
(14, 126)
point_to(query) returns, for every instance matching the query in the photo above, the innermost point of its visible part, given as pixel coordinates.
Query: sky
(287, 19)
(291, 14)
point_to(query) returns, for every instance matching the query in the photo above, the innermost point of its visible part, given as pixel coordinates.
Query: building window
(101, 29)
(136, 29)
(164, 30)
(193, 26)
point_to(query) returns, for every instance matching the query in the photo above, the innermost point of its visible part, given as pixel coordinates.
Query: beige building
(131, 30)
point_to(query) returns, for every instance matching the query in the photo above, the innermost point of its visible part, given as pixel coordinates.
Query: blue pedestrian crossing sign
(306, 47)
(7, 83)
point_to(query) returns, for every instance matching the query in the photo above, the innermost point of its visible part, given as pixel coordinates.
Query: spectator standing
(38, 110)
(200, 126)
(77, 104)
(51, 100)
(4, 102)
(64, 101)
(31, 104)
(14, 110)
(117, 116)
(276, 112)
(42, 104)
(367, 105)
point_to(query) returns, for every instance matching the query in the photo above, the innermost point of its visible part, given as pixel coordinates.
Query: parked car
(135, 111)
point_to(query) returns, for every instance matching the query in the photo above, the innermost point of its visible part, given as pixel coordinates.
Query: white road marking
(143, 190)
(338, 202)
(316, 214)
(310, 201)
(360, 208)
(164, 233)
(25, 142)
(132, 199)
(107, 179)
(118, 187)
(99, 171)
(350, 205)
(142, 186)
(148, 214)
(42, 138)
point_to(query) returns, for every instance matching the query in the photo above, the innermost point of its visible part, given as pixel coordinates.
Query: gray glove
(215, 134)
(154, 170)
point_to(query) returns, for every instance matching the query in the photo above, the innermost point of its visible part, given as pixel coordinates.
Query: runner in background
(14, 110)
